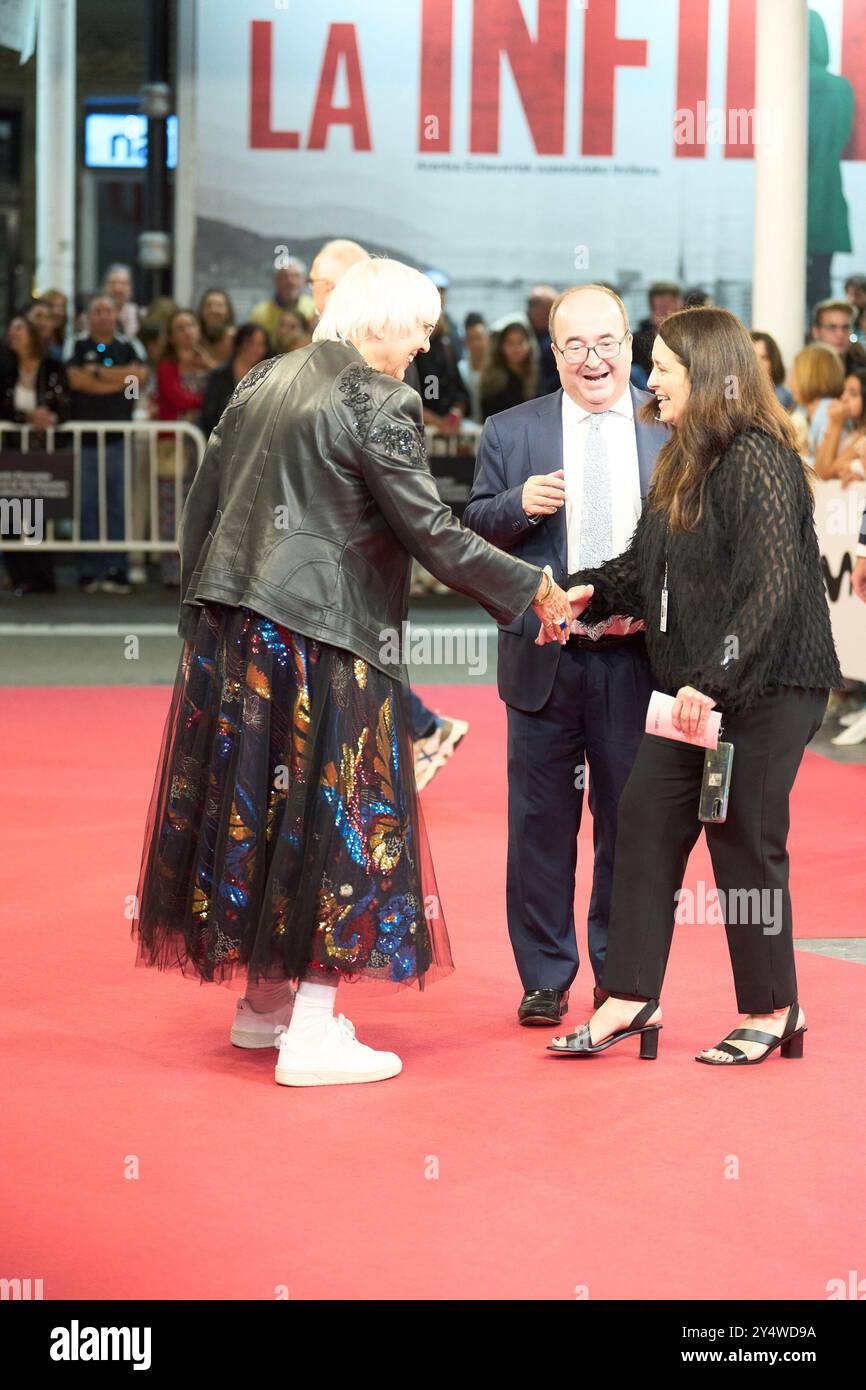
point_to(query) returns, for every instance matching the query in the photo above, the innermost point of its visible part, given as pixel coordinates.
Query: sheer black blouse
(747, 607)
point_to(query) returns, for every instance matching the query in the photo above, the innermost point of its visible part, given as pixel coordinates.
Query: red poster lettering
(538, 66)
(853, 67)
(603, 53)
(692, 47)
(740, 90)
(434, 110)
(342, 44)
(262, 137)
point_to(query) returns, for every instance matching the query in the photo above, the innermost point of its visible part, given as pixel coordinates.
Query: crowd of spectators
(120, 361)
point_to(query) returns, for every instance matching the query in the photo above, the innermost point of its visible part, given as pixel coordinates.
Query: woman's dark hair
(58, 334)
(169, 352)
(730, 393)
(859, 373)
(243, 335)
(37, 349)
(697, 298)
(215, 289)
(774, 355)
(150, 331)
(496, 373)
(472, 320)
(298, 314)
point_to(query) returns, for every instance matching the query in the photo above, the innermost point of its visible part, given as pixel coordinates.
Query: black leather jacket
(312, 497)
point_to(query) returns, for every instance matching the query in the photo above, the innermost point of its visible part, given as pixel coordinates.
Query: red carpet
(488, 1169)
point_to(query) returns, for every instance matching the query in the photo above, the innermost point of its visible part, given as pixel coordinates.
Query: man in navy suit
(561, 481)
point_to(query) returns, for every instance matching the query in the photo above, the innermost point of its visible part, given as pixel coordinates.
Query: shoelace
(346, 1027)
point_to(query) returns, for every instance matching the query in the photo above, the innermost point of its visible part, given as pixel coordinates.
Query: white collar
(624, 406)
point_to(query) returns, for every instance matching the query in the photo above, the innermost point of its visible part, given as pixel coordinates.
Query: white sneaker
(433, 752)
(332, 1057)
(853, 734)
(260, 1030)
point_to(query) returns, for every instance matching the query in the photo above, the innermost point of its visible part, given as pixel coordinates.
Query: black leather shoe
(539, 1007)
(599, 995)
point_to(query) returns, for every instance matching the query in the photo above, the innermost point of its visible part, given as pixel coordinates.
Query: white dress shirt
(617, 429)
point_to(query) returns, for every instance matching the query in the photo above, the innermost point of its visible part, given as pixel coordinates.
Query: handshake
(557, 609)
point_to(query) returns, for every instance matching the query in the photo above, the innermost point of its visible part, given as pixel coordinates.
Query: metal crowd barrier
(139, 438)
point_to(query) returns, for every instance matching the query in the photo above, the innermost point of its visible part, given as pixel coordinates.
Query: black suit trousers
(657, 827)
(592, 722)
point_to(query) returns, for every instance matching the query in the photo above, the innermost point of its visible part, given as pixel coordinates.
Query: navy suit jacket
(515, 444)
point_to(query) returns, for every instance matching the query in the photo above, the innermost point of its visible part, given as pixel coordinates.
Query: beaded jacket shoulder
(372, 403)
(355, 386)
(253, 378)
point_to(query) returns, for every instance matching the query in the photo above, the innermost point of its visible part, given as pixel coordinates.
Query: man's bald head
(538, 303)
(330, 265)
(589, 323)
(592, 299)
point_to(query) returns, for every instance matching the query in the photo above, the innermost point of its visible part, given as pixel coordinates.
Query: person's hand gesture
(579, 597)
(543, 493)
(553, 610)
(42, 418)
(850, 471)
(837, 412)
(576, 600)
(690, 711)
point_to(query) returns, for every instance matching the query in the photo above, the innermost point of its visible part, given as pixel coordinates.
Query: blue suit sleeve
(494, 510)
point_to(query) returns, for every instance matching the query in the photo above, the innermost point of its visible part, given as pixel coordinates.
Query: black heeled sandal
(791, 1043)
(580, 1044)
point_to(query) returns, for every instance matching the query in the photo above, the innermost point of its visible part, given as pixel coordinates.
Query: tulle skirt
(284, 837)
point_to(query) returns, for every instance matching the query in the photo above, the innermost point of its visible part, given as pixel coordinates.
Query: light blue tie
(596, 516)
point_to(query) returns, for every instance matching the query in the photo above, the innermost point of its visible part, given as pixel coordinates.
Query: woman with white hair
(284, 837)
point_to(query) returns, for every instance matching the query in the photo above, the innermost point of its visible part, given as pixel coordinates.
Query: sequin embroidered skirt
(284, 833)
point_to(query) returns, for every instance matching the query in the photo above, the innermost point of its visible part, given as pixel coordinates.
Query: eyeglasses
(606, 350)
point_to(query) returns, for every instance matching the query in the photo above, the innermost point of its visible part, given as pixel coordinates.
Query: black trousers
(658, 826)
(595, 714)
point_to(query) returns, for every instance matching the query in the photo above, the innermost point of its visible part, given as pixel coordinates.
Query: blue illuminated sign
(120, 141)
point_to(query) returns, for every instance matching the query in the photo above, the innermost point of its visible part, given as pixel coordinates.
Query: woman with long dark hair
(769, 355)
(725, 570)
(842, 451)
(249, 347)
(509, 375)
